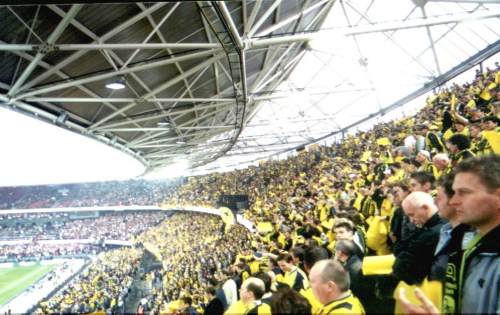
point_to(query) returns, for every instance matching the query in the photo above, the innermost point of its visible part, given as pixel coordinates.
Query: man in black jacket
(415, 255)
(433, 142)
(346, 253)
(398, 230)
(215, 306)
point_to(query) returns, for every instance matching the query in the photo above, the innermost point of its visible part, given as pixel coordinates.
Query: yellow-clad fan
(331, 285)
(442, 163)
(312, 255)
(251, 292)
(480, 145)
(294, 277)
(298, 200)
(263, 305)
(459, 147)
(424, 158)
(491, 132)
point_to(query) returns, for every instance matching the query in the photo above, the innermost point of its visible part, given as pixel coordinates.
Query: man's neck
(339, 297)
(453, 222)
(487, 227)
(248, 302)
(431, 215)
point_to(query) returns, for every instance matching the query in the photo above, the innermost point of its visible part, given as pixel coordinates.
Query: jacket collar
(490, 242)
(433, 221)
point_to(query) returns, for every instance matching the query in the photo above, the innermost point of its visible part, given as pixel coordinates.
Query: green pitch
(15, 280)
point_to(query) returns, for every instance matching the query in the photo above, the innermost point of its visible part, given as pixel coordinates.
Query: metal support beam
(431, 42)
(486, 53)
(28, 38)
(109, 55)
(153, 32)
(208, 33)
(50, 41)
(120, 46)
(290, 64)
(244, 14)
(232, 27)
(278, 40)
(161, 87)
(125, 100)
(103, 38)
(163, 40)
(390, 36)
(292, 18)
(375, 28)
(149, 139)
(269, 67)
(61, 74)
(263, 18)
(172, 111)
(251, 19)
(280, 94)
(416, 23)
(111, 74)
(163, 129)
(29, 28)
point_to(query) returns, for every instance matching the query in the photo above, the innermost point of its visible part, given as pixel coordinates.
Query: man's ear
(497, 194)
(332, 285)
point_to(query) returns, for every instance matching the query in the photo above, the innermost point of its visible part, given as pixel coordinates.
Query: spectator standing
(330, 283)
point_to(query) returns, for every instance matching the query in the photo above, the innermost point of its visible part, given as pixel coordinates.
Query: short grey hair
(332, 270)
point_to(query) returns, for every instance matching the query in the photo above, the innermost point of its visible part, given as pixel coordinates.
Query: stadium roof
(232, 82)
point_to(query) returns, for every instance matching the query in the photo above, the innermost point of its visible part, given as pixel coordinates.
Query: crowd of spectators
(320, 213)
(121, 226)
(102, 194)
(193, 249)
(34, 230)
(102, 287)
(370, 194)
(35, 251)
(58, 226)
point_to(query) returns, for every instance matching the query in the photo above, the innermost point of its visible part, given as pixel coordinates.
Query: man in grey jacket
(472, 281)
(477, 268)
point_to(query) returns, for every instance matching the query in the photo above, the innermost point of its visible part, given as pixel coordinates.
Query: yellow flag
(453, 102)
(383, 141)
(366, 156)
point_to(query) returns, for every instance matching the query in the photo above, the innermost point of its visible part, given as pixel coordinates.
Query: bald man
(330, 284)
(251, 291)
(415, 254)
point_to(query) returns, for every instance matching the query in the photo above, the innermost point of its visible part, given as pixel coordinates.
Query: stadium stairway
(140, 288)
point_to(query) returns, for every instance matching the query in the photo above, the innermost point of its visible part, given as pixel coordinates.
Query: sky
(35, 152)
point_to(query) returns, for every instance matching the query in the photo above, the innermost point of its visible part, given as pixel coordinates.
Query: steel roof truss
(63, 24)
(103, 38)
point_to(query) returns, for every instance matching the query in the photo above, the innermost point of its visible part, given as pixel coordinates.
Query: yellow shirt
(493, 138)
(239, 308)
(315, 304)
(296, 279)
(347, 305)
(262, 309)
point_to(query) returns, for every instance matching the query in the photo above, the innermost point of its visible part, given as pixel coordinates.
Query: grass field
(15, 280)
